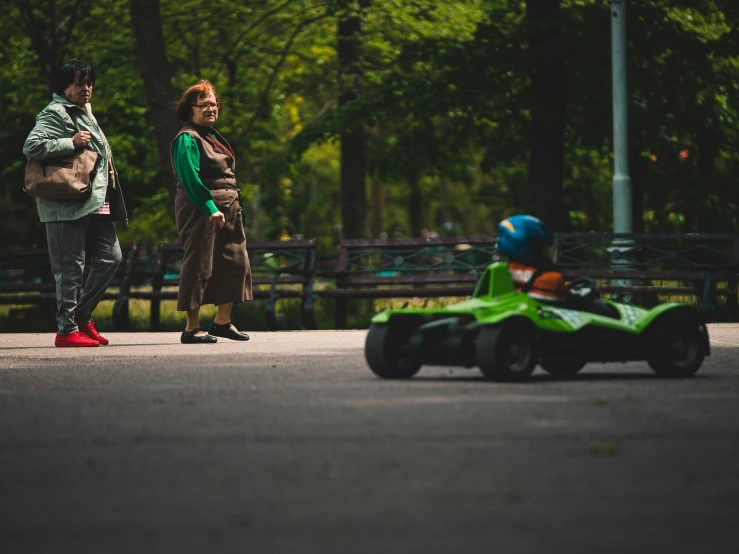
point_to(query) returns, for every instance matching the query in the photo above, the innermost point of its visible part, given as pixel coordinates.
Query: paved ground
(288, 444)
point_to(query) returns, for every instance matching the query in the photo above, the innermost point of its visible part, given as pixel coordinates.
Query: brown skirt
(216, 268)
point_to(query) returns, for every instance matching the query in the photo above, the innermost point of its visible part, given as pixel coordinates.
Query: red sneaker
(75, 339)
(89, 330)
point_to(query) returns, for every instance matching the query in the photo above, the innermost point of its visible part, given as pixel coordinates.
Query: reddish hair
(183, 106)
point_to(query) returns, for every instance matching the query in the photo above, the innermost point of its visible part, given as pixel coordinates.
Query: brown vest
(216, 158)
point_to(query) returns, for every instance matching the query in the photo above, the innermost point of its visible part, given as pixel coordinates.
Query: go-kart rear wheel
(678, 347)
(506, 352)
(388, 353)
(562, 366)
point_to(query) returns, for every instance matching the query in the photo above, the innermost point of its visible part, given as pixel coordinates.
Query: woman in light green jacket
(78, 229)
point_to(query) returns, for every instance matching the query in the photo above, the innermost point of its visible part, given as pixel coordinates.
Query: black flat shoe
(188, 337)
(226, 332)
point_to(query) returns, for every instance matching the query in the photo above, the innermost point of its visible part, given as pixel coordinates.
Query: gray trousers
(70, 242)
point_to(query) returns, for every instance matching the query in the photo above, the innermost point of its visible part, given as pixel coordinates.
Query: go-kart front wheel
(678, 347)
(562, 366)
(388, 353)
(506, 352)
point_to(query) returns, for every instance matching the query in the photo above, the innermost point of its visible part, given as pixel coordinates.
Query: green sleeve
(186, 159)
(47, 139)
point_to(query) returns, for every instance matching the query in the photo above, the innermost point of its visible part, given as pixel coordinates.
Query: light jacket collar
(58, 99)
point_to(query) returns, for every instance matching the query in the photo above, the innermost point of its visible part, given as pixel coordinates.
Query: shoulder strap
(530, 283)
(74, 121)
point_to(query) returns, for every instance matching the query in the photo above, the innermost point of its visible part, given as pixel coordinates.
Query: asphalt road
(288, 444)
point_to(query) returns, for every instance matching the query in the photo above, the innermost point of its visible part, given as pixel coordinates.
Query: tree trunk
(708, 143)
(353, 184)
(157, 75)
(415, 204)
(548, 114)
(353, 159)
(53, 43)
(50, 28)
(377, 205)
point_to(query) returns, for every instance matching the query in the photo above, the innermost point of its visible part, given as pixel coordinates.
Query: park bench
(280, 269)
(26, 277)
(402, 268)
(703, 266)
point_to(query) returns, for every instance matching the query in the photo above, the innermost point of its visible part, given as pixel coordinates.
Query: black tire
(677, 347)
(388, 353)
(562, 366)
(507, 352)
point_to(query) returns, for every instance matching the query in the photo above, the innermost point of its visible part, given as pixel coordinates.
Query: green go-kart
(507, 333)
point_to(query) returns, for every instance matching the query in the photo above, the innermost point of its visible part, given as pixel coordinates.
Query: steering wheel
(584, 289)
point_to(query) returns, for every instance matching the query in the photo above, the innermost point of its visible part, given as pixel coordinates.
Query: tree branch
(264, 96)
(230, 51)
(295, 16)
(71, 21)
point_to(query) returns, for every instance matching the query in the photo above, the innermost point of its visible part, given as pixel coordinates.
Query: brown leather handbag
(62, 177)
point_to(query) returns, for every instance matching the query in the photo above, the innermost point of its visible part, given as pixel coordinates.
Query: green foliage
(445, 99)
(154, 221)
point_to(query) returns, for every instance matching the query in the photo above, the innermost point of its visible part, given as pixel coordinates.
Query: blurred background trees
(372, 117)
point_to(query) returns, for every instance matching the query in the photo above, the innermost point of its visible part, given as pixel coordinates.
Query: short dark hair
(183, 106)
(67, 75)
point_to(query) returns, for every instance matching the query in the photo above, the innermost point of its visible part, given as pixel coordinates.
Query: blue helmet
(524, 238)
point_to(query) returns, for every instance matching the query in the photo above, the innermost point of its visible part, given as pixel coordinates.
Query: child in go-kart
(526, 242)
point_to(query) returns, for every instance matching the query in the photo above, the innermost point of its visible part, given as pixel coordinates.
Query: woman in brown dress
(215, 269)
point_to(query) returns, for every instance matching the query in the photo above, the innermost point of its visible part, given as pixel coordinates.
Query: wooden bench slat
(259, 280)
(27, 298)
(408, 279)
(653, 289)
(26, 287)
(172, 294)
(395, 293)
(657, 275)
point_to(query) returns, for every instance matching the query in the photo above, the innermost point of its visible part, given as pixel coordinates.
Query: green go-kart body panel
(495, 299)
(562, 338)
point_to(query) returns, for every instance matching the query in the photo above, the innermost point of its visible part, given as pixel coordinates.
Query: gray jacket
(52, 136)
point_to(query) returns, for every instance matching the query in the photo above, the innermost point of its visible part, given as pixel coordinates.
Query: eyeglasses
(206, 105)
